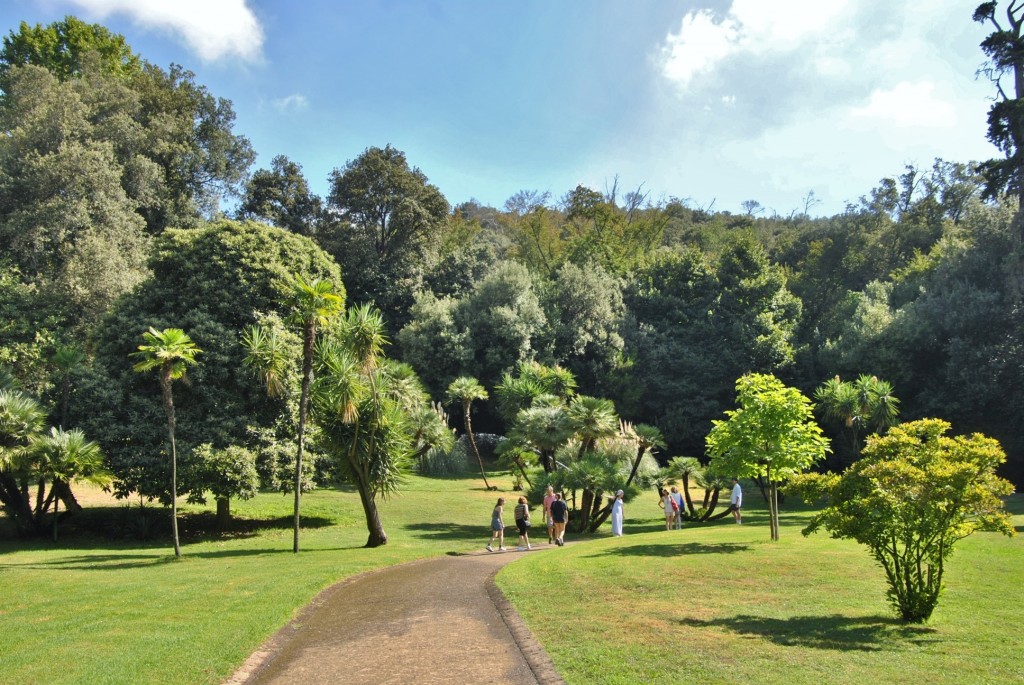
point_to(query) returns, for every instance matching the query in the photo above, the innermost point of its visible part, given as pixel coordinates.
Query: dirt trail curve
(430, 621)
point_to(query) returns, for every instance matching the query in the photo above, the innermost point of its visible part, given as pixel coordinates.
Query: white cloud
(752, 28)
(214, 29)
(698, 47)
(292, 103)
(907, 105)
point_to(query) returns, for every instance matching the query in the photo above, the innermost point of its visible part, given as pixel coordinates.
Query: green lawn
(712, 603)
(94, 611)
(721, 603)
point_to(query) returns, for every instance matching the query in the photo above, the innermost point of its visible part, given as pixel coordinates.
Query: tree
(909, 499)
(63, 457)
(389, 215)
(1004, 48)
(171, 139)
(864, 406)
(63, 47)
(585, 312)
(21, 420)
(281, 196)
(464, 391)
(215, 281)
(312, 306)
(772, 435)
(168, 352)
(364, 404)
(229, 472)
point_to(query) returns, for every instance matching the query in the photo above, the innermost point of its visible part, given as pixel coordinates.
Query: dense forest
(128, 201)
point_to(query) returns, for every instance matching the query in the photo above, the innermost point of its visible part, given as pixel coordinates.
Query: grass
(89, 610)
(717, 602)
(722, 603)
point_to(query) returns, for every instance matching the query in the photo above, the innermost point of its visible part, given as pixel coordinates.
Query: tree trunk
(377, 536)
(584, 511)
(16, 505)
(636, 463)
(63, 490)
(773, 509)
(56, 509)
(522, 470)
(472, 443)
(223, 513)
(711, 499)
(308, 340)
(165, 387)
(687, 501)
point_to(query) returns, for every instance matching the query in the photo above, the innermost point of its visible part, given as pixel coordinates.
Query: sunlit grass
(722, 603)
(90, 610)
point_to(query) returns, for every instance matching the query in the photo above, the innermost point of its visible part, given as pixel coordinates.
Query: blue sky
(712, 101)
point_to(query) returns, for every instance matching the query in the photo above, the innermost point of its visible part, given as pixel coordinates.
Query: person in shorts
(549, 497)
(559, 515)
(497, 527)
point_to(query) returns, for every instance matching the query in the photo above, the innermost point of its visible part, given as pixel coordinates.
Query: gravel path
(432, 621)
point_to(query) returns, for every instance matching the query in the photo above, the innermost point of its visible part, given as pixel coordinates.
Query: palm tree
(68, 360)
(169, 352)
(66, 456)
(544, 429)
(465, 390)
(861, 407)
(313, 305)
(647, 438)
(363, 403)
(21, 419)
(592, 418)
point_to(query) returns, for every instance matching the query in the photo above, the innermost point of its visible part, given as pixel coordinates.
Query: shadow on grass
(453, 531)
(118, 562)
(842, 633)
(670, 550)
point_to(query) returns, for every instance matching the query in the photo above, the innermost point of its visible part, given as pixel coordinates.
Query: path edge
(256, 662)
(536, 656)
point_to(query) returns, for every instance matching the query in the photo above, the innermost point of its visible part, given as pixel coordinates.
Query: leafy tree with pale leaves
(772, 435)
(915, 492)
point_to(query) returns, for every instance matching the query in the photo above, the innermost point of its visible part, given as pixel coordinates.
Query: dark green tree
(388, 216)
(216, 280)
(1004, 48)
(281, 196)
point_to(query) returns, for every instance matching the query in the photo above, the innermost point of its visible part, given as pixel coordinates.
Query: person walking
(549, 497)
(667, 506)
(522, 514)
(680, 507)
(497, 527)
(559, 515)
(736, 500)
(617, 514)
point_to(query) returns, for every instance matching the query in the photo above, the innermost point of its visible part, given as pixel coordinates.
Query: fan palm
(168, 352)
(66, 456)
(465, 390)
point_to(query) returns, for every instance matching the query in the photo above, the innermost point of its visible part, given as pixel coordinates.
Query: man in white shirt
(737, 500)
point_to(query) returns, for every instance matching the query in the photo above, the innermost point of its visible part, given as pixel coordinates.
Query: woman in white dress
(617, 514)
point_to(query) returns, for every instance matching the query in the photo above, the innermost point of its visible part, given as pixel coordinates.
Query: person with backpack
(522, 514)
